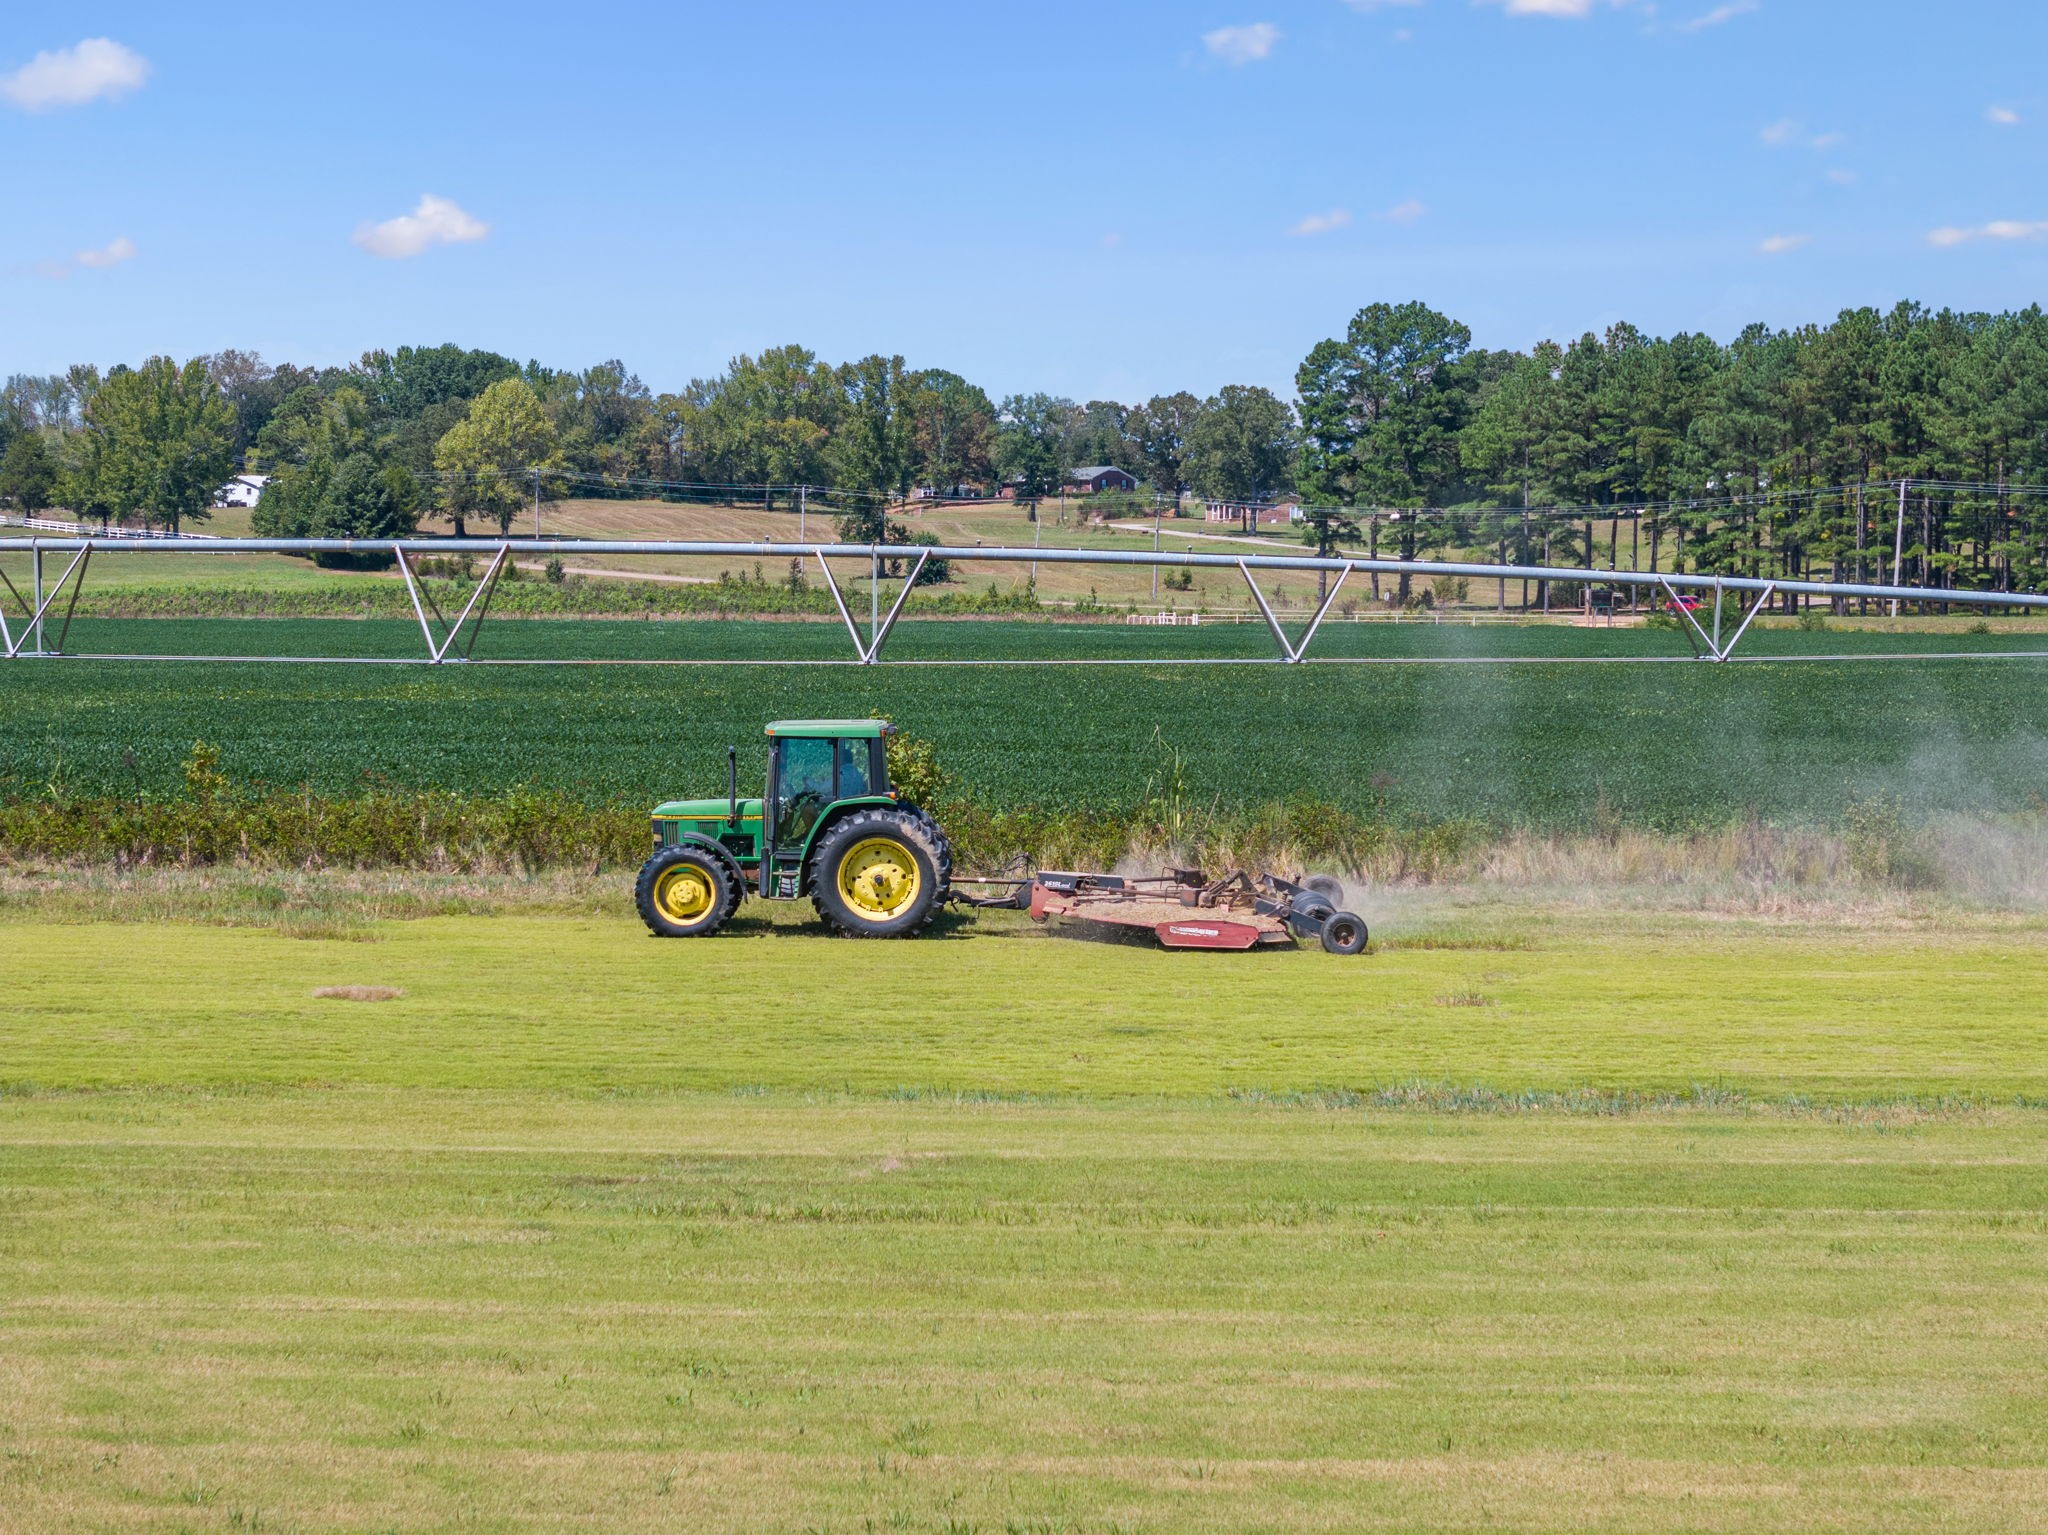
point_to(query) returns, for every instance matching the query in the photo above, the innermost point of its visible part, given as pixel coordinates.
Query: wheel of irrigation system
(686, 892)
(881, 873)
(1344, 932)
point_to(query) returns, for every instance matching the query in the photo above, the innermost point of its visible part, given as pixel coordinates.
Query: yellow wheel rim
(879, 879)
(683, 894)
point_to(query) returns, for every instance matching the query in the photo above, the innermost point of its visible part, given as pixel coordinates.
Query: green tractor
(827, 826)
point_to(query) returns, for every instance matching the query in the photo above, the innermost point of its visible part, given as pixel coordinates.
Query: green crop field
(1542, 741)
(1530, 1220)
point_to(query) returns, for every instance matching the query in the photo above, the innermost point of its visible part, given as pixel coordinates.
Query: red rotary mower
(1186, 910)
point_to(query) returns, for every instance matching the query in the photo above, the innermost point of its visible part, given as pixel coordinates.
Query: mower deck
(1176, 925)
(1185, 910)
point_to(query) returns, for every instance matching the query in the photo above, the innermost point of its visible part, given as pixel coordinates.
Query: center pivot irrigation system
(59, 567)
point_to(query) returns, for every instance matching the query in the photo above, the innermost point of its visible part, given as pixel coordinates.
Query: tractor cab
(817, 769)
(826, 825)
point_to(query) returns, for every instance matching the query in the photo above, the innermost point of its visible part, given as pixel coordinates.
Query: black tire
(836, 886)
(668, 910)
(1344, 932)
(944, 844)
(1324, 886)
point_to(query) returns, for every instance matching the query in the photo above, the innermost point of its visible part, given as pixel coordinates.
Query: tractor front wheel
(880, 874)
(686, 892)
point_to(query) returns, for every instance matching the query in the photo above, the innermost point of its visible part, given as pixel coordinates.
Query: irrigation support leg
(490, 585)
(881, 635)
(1706, 649)
(1301, 645)
(1287, 652)
(481, 594)
(412, 590)
(6, 632)
(36, 557)
(64, 630)
(853, 629)
(1763, 599)
(34, 626)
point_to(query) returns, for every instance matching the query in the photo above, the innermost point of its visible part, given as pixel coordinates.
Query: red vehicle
(1684, 602)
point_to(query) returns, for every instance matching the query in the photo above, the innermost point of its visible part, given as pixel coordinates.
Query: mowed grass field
(1515, 999)
(1533, 1219)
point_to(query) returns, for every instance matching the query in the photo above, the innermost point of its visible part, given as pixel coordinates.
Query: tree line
(1772, 453)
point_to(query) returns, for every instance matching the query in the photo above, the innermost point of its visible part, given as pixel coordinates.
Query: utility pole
(800, 518)
(1899, 543)
(1156, 515)
(536, 503)
(1862, 603)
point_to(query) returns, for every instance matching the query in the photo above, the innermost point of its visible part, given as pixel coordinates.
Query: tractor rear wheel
(687, 892)
(881, 874)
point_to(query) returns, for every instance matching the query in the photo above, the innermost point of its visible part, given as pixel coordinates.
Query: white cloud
(113, 253)
(1322, 223)
(70, 77)
(1791, 131)
(436, 221)
(1997, 229)
(1407, 212)
(1720, 14)
(1548, 7)
(1778, 245)
(2005, 117)
(1242, 45)
(98, 257)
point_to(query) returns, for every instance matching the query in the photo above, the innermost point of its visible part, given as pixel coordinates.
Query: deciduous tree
(163, 442)
(503, 452)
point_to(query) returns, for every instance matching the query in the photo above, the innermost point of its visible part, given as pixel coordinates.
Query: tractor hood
(706, 810)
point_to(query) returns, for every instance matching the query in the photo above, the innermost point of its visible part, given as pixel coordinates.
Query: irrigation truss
(1726, 605)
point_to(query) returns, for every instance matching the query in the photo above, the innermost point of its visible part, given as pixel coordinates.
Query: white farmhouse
(242, 490)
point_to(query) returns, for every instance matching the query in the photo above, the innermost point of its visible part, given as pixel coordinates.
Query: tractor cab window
(803, 788)
(853, 769)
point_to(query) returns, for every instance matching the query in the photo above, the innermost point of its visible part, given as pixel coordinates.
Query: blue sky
(1098, 199)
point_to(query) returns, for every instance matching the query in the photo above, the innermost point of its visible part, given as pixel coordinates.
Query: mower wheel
(1344, 932)
(880, 874)
(1324, 886)
(687, 892)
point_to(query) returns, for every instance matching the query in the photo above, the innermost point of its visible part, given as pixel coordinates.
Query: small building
(1092, 479)
(242, 490)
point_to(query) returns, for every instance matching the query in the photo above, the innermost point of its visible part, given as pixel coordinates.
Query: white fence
(88, 530)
